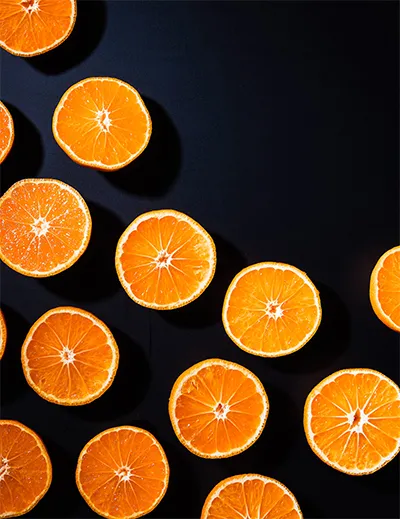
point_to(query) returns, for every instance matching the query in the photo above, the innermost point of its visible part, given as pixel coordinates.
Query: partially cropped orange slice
(69, 356)
(3, 334)
(45, 227)
(352, 420)
(122, 473)
(25, 469)
(218, 408)
(250, 496)
(32, 27)
(165, 259)
(271, 309)
(6, 132)
(102, 123)
(385, 288)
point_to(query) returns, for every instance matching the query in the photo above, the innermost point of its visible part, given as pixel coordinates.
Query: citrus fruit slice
(45, 227)
(271, 309)
(122, 473)
(102, 123)
(32, 27)
(250, 496)
(69, 356)
(218, 408)
(3, 334)
(385, 288)
(165, 259)
(6, 132)
(25, 469)
(352, 420)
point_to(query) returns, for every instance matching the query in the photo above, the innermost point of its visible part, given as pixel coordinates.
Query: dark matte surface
(276, 127)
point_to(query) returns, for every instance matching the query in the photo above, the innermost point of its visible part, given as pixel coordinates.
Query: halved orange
(250, 496)
(218, 408)
(165, 259)
(122, 473)
(352, 420)
(271, 309)
(102, 123)
(385, 288)
(25, 469)
(6, 132)
(32, 27)
(45, 227)
(69, 356)
(3, 334)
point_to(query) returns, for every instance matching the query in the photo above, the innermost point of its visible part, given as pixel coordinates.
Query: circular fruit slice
(165, 259)
(122, 473)
(6, 132)
(69, 356)
(251, 496)
(32, 27)
(45, 227)
(271, 309)
(385, 288)
(25, 469)
(3, 335)
(102, 123)
(218, 408)
(352, 420)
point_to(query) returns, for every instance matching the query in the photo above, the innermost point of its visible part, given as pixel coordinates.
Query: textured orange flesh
(388, 279)
(3, 334)
(6, 132)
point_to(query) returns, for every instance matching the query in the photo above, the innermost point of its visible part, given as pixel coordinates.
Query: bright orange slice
(32, 27)
(352, 420)
(25, 469)
(102, 123)
(271, 309)
(45, 227)
(218, 408)
(385, 288)
(250, 496)
(122, 473)
(165, 259)
(3, 334)
(69, 356)
(6, 132)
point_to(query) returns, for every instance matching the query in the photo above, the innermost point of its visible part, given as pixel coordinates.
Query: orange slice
(32, 27)
(385, 289)
(250, 496)
(3, 334)
(6, 132)
(25, 469)
(218, 408)
(45, 227)
(352, 420)
(271, 309)
(165, 259)
(122, 473)
(102, 123)
(69, 356)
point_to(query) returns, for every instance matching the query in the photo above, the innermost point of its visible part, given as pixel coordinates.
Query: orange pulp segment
(6, 132)
(3, 334)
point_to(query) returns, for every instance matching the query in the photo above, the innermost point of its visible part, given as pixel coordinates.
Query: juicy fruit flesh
(42, 226)
(24, 471)
(33, 25)
(123, 473)
(355, 421)
(165, 260)
(218, 410)
(102, 122)
(272, 310)
(5, 132)
(388, 280)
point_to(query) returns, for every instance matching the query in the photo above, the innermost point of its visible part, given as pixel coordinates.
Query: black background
(275, 127)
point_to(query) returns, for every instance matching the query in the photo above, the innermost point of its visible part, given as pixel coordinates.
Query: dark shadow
(207, 309)
(26, 155)
(385, 480)
(309, 509)
(63, 491)
(329, 342)
(93, 277)
(86, 35)
(129, 387)
(12, 380)
(156, 169)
